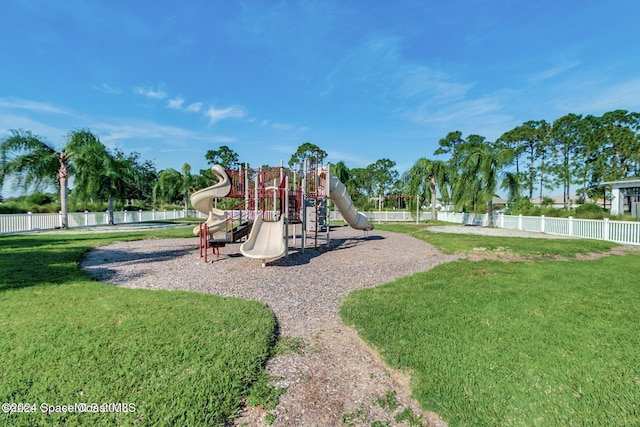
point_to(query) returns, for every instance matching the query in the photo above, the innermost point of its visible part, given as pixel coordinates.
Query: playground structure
(264, 204)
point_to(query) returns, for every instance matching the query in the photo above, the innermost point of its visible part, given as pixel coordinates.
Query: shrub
(38, 198)
(547, 202)
(555, 212)
(522, 206)
(47, 208)
(8, 208)
(174, 208)
(132, 208)
(589, 208)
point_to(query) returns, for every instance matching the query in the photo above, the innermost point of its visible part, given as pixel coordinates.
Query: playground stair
(231, 236)
(239, 231)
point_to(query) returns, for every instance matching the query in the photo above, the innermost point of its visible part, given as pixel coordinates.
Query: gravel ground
(336, 375)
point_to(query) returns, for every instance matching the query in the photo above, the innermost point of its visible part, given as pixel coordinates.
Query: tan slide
(201, 201)
(266, 240)
(343, 202)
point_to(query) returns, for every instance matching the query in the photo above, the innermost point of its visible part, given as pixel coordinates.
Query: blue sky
(364, 80)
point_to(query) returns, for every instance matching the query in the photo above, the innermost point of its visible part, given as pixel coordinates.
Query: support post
(286, 215)
(570, 225)
(256, 201)
(303, 226)
(327, 186)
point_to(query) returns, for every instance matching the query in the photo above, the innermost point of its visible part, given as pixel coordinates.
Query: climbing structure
(260, 206)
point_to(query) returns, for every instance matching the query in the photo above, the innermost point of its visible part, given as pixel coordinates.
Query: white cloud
(288, 149)
(142, 130)
(107, 88)
(553, 72)
(419, 81)
(175, 103)
(150, 93)
(52, 133)
(282, 126)
(349, 158)
(194, 108)
(599, 97)
(33, 106)
(215, 115)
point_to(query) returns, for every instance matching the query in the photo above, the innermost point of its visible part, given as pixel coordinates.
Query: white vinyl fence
(615, 231)
(14, 223)
(385, 216)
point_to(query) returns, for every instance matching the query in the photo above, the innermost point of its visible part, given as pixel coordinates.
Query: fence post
(542, 223)
(29, 221)
(605, 229)
(153, 214)
(86, 217)
(520, 222)
(570, 226)
(140, 215)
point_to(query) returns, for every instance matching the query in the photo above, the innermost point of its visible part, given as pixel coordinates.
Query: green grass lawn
(180, 358)
(528, 247)
(513, 343)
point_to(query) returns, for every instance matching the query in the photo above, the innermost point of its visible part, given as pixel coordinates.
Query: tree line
(524, 162)
(535, 157)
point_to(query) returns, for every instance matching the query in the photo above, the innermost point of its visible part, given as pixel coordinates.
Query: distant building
(625, 196)
(558, 201)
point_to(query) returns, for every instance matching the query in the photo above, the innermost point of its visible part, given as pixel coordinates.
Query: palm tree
(36, 163)
(426, 177)
(511, 183)
(117, 174)
(89, 165)
(187, 184)
(97, 172)
(340, 171)
(483, 169)
(168, 187)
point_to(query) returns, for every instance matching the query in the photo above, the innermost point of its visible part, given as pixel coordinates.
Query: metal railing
(627, 232)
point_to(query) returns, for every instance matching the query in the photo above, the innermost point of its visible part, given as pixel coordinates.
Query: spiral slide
(343, 202)
(201, 200)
